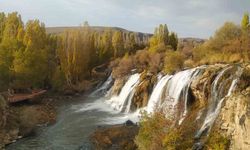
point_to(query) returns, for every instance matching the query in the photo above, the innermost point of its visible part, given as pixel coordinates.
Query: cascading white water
(157, 93)
(177, 84)
(195, 74)
(104, 87)
(122, 102)
(217, 98)
(173, 87)
(176, 87)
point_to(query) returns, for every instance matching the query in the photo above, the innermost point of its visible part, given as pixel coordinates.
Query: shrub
(228, 45)
(142, 60)
(123, 67)
(153, 129)
(189, 63)
(172, 140)
(216, 141)
(174, 61)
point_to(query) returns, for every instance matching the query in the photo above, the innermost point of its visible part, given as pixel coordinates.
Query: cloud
(199, 18)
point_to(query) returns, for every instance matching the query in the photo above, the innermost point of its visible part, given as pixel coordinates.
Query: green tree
(162, 40)
(30, 64)
(245, 21)
(173, 40)
(2, 25)
(9, 44)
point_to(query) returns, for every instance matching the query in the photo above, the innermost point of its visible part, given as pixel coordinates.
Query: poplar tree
(106, 49)
(173, 40)
(117, 42)
(11, 25)
(245, 22)
(30, 63)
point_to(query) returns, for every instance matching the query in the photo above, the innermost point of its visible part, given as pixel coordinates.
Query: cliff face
(234, 118)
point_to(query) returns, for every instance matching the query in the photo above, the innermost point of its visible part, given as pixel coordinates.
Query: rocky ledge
(115, 137)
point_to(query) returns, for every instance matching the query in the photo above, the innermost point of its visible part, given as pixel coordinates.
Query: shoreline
(21, 120)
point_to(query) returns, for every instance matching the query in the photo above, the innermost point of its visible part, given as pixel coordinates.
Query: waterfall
(174, 87)
(123, 101)
(217, 97)
(104, 87)
(177, 89)
(157, 93)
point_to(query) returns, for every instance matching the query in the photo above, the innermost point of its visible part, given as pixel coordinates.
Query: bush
(217, 142)
(153, 129)
(189, 63)
(228, 45)
(174, 61)
(122, 67)
(172, 140)
(142, 60)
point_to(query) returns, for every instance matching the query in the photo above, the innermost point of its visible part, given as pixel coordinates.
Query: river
(76, 120)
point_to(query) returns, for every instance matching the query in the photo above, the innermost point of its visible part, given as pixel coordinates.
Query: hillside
(58, 30)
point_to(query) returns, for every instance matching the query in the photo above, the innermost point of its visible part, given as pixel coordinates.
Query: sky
(188, 18)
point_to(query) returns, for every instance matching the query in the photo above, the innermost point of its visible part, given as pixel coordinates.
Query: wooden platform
(23, 96)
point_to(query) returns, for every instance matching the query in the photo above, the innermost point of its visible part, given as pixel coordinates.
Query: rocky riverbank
(20, 119)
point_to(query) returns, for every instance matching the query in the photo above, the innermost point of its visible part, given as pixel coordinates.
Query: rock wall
(234, 118)
(143, 90)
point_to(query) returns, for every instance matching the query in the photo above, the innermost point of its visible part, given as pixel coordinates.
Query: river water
(76, 120)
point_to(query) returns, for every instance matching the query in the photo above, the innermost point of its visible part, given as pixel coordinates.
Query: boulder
(115, 137)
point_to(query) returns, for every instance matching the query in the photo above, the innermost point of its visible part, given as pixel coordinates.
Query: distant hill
(143, 37)
(184, 43)
(56, 30)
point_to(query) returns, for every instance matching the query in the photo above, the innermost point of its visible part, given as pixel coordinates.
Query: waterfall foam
(103, 89)
(122, 102)
(177, 89)
(157, 93)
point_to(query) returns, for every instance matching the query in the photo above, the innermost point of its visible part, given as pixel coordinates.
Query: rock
(129, 123)
(201, 86)
(235, 121)
(115, 137)
(118, 84)
(143, 90)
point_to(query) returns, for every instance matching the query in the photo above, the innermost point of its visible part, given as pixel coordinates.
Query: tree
(245, 21)
(76, 53)
(30, 64)
(117, 42)
(106, 49)
(11, 26)
(173, 40)
(162, 40)
(130, 43)
(2, 25)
